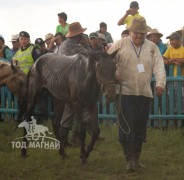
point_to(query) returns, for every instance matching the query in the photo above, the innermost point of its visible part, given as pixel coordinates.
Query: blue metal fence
(162, 110)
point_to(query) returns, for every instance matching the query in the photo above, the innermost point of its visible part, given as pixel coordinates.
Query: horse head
(5, 71)
(105, 74)
(16, 82)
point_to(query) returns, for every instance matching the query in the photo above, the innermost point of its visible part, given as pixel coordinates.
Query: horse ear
(114, 53)
(95, 56)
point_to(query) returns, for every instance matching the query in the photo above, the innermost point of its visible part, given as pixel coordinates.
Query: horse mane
(3, 63)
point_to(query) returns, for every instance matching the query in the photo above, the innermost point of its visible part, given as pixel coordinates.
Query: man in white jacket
(137, 60)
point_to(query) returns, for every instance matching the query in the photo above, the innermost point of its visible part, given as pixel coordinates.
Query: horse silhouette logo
(34, 131)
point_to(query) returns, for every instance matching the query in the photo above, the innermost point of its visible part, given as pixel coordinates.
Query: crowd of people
(141, 54)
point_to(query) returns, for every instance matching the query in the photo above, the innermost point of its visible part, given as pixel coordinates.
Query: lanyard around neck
(137, 53)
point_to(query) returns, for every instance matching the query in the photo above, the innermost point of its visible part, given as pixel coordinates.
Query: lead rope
(119, 111)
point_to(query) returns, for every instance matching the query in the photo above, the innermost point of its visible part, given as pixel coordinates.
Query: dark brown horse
(76, 80)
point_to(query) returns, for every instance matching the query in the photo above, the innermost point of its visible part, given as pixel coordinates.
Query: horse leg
(65, 126)
(29, 111)
(82, 136)
(63, 133)
(58, 111)
(24, 145)
(93, 127)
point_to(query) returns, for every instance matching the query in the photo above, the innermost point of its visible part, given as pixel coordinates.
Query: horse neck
(92, 87)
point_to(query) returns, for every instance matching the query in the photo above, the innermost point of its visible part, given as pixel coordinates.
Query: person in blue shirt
(155, 36)
(5, 52)
(6, 56)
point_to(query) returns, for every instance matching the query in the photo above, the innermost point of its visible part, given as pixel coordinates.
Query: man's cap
(39, 41)
(174, 35)
(75, 29)
(14, 37)
(154, 31)
(134, 4)
(93, 35)
(48, 36)
(24, 34)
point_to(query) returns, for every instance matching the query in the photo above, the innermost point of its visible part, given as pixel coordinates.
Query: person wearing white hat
(48, 40)
(15, 43)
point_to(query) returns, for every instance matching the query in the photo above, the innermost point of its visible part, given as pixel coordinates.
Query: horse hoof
(23, 153)
(83, 161)
(63, 154)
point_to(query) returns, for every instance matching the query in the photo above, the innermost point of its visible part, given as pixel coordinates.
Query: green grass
(163, 155)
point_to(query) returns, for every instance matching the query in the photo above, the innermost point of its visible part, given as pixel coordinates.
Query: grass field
(163, 155)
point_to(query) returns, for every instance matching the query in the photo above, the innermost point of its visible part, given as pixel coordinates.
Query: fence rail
(167, 107)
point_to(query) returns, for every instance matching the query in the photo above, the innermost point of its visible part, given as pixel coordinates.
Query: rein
(119, 111)
(103, 84)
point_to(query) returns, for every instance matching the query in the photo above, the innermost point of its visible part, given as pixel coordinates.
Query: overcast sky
(39, 17)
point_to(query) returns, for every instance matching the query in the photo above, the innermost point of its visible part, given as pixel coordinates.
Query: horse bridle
(103, 84)
(109, 82)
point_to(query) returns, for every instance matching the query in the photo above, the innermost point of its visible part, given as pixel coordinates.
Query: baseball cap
(24, 34)
(174, 35)
(39, 41)
(93, 35)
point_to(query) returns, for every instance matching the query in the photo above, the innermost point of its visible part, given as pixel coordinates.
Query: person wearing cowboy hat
(155, 36)
(71, 46)
(137, 59)
(15, 43)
